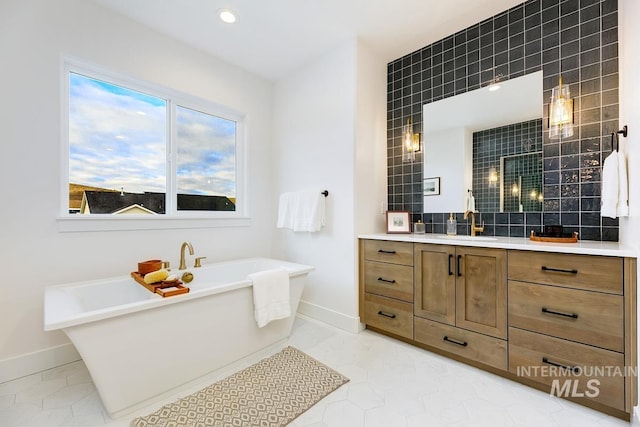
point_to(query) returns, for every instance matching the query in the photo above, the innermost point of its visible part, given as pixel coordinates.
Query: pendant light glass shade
(408, 152)
(417, 145)
(560, 112)
(493, 177)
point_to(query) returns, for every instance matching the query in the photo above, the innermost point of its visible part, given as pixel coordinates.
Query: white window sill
(75, 223)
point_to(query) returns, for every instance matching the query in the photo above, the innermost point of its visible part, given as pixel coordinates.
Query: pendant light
(560, 112)
(493, 177)
(410, 142)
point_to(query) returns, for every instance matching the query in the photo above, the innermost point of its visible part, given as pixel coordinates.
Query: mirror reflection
(507, 168)
(489, 142)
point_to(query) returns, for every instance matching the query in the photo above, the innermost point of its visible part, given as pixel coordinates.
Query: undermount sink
(444, 236)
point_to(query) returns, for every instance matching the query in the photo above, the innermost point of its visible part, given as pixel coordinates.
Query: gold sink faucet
(183, 265)
(474, 228)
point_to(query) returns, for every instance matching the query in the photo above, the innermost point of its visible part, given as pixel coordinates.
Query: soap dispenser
(452, 226)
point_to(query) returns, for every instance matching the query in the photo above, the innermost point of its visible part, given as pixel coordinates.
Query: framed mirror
(485, 141)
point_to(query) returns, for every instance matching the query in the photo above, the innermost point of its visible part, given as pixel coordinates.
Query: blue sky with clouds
(117, 139)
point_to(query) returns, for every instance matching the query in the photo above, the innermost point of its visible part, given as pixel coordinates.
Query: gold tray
(157, 287)
(564, 239)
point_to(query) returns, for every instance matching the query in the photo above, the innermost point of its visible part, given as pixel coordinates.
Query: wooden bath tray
(158, 288)
(573, 238)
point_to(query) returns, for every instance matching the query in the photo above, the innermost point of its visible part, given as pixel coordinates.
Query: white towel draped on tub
(302, 210)
(270, 295)
(615, 193)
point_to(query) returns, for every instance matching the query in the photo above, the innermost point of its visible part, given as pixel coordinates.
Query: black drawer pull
(390, 316)
(460, 343)
(450, 258)
(382, 251)
(574, 369)
(557, 313)
(380, 279)
(459, 270)
(559, 270)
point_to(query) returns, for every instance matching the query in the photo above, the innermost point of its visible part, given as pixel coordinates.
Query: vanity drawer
(584, 316)
(390, 280)
(386, 251)
(389, 315)
(590, 272)
(539, 357)
(481, 348)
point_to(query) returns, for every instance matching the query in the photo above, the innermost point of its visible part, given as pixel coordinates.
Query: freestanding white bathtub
(138, 345)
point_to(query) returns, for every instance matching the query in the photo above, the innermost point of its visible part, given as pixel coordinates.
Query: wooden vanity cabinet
(460, 301)
(513, 312)
(569, 312)
(462, 286)
(386, 286)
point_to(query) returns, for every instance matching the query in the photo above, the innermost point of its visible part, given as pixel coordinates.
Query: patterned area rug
(271, 393)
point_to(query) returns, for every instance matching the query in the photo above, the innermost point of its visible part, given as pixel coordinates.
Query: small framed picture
(398, 222)
(431, 186)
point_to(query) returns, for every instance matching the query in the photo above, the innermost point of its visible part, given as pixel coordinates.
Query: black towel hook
(325, 193)
(623, 132)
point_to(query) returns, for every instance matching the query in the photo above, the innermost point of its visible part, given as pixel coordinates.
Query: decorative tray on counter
(554, 237)
(164, 288)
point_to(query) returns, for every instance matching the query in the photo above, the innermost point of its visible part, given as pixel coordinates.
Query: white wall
(446, 149)
(34, 35)
(370, 196)
(629, 51)
(319, 143)
(629, 63)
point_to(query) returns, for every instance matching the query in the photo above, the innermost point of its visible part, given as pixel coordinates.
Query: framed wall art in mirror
(431, 186)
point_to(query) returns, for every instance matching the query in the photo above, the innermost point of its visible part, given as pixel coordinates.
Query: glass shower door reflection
(521, 183)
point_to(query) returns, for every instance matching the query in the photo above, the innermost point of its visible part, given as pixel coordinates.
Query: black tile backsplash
(575, 38)
(513, 142)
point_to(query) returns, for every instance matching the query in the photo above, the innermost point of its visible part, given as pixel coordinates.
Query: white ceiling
(273, 37)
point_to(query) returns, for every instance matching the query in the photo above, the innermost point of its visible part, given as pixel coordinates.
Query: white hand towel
(302, 211)
(609, 193)
(622, 208)
(270, 295)
(471, 202)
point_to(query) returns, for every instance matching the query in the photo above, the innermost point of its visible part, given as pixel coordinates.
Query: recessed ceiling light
(227, 16)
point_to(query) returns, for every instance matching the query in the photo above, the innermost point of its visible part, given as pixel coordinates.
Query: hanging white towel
(610, 186)
(471, 201)
(270, 295)
(302, 210)
(622, 208)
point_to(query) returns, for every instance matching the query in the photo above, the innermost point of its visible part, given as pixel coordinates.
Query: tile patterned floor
(392, 385)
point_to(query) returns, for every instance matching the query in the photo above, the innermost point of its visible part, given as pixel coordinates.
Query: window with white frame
(135, 148)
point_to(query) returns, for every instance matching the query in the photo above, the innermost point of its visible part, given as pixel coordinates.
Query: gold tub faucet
(183, 265)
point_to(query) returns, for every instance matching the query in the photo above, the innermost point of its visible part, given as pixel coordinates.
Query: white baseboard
(31, 363)
(331, 317)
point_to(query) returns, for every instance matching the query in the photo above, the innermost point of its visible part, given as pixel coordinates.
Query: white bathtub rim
(53, 322)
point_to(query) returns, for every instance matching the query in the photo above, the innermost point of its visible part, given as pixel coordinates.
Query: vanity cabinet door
(434, 275)
(481, 290)
(462, 286)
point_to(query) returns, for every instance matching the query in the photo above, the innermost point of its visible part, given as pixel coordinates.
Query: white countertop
(585, 247)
